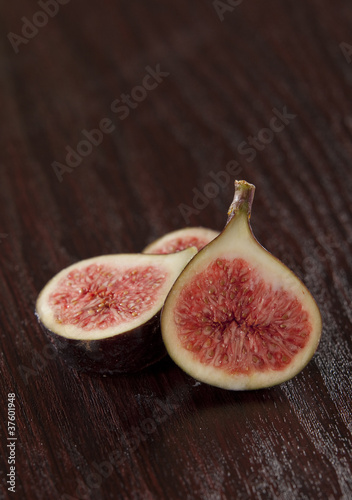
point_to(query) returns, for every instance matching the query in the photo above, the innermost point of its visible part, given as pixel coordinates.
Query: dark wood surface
(159, 434)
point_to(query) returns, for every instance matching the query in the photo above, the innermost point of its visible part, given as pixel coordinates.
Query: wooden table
(180, 91)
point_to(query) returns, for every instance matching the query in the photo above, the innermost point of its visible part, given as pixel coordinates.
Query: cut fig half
(180, 239)
(103, 313)
(237, 317)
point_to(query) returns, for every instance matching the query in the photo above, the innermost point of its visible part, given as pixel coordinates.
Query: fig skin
(200, 232)
(127, 352)
(114, 350)
(237, 241)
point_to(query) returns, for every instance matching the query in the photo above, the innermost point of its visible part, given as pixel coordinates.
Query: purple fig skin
(127, 352)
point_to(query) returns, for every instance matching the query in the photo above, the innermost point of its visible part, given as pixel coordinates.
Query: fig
(237, 317)
(180, 239)
(103, 313)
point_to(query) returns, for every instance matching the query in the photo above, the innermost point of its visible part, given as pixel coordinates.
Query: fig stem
(242, 200)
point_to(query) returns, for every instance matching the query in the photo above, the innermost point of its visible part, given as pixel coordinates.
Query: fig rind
(127, 352)
(205, 235)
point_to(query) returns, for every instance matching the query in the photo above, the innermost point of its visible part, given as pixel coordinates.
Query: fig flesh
(180, 239)
(237, 317)
(103, 313)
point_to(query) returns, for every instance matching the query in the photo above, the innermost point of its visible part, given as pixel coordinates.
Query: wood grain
(159, 434)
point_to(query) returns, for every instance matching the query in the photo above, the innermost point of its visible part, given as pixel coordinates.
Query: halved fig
(103, 313)
(180, 239)
(237, 317)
